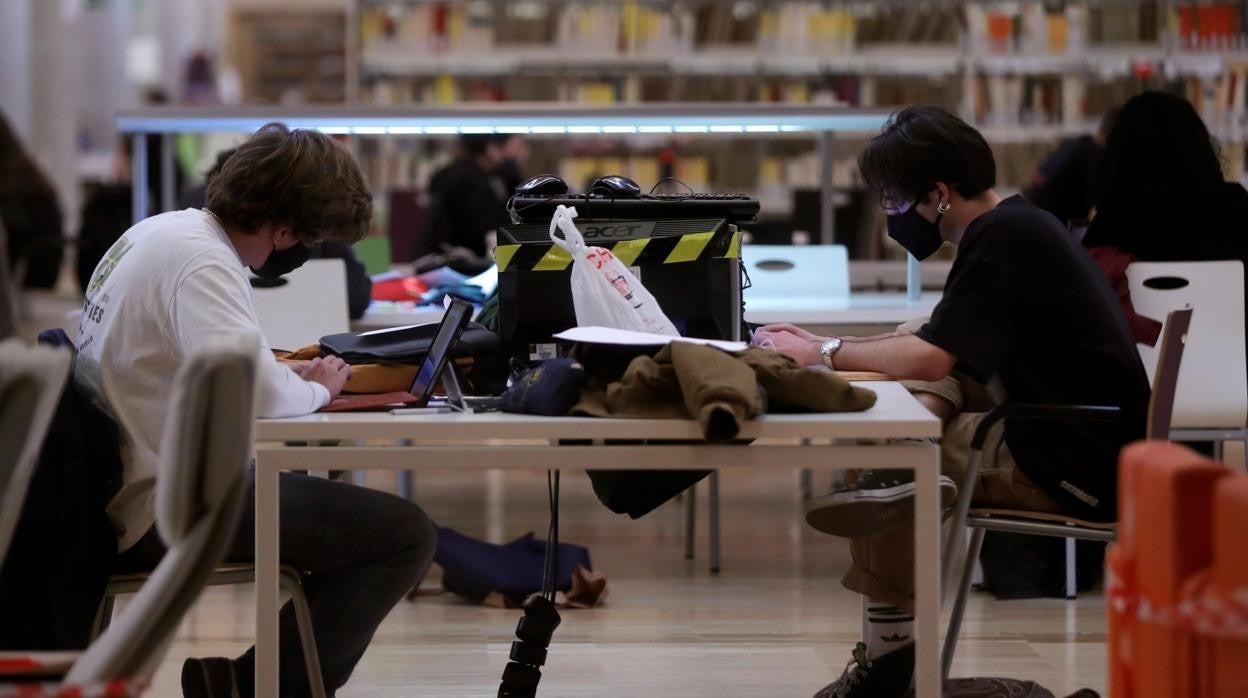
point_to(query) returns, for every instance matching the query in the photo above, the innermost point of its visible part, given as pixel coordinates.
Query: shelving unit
(286, 55)
(1028, 73)
(539, 121)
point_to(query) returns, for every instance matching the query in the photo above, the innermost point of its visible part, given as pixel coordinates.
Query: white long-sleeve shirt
(166, 284)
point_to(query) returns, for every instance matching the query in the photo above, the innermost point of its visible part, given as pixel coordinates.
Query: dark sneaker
(211, 677)
(878, 501)
(886, 676)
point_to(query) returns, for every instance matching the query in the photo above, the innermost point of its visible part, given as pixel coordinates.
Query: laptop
(434, 365)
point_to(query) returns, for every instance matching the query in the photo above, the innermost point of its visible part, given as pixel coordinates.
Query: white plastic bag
(604, 292)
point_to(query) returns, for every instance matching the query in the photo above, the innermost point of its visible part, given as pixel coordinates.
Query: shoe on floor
(876, 502)
(886, 676)
(211, 677)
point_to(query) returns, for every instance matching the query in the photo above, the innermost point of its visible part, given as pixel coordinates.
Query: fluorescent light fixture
(549, 129)
(584, 129)
(762, 128)
(727, 129)
(789, 128)
(441, 130)
(512, 129)
(406, 130)
(691, 129)
(654, 129)
(334, 129)
(369, 130)
(619, 129)
(476, 129)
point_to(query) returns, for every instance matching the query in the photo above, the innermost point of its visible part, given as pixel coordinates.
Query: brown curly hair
(300, 178)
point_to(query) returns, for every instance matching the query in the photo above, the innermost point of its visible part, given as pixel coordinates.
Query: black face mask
(282, 262)
(916, 234)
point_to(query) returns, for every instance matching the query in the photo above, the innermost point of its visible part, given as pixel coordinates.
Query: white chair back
(311, 304)
(796, 271)
(31, 382)
(199, 481)
(1212, 390)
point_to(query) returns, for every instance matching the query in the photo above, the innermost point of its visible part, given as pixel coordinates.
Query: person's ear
(944, 193)
(284, 237)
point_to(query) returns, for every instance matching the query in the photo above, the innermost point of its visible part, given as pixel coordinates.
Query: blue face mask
(920, 237)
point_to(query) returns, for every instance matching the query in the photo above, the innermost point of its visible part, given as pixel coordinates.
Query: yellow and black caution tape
(675, 249)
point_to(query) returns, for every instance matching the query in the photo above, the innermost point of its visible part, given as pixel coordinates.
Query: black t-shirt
(1025, 303)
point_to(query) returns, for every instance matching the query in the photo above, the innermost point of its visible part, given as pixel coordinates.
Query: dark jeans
(361, 551)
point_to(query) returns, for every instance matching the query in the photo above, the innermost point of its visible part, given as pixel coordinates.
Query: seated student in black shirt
(1027, 316)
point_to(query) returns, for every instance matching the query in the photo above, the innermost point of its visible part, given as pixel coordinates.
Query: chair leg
(959, 604)
(691, 519)
(1072, 584)
(303, 621)
(103, 617)
(713, 495)
(958, 524)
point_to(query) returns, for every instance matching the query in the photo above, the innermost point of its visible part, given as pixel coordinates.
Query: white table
(859, 309)
(862, 309)
(880, 437)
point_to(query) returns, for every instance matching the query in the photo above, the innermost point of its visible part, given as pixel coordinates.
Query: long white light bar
(544, 119)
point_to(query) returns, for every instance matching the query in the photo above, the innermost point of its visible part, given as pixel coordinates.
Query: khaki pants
(883, 564)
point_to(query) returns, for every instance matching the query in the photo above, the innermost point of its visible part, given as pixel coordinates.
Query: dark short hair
(300, 178)
(922, 145)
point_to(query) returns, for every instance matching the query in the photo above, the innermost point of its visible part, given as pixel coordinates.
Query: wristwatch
(827, 349)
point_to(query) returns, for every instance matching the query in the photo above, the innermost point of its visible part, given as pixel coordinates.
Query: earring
(943, 207)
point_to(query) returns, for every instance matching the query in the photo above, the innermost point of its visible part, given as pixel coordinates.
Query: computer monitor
(691, 267)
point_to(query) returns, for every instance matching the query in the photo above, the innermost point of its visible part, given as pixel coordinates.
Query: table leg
(267, 551)
(927, 574)
(713, 515)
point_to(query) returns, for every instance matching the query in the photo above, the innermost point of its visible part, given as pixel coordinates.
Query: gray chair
(290, 580)
(199, 485)
(978, 521)
(31, 381)
(9, 289)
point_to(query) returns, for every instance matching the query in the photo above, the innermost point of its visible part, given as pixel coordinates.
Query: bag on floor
(1018, 566)
(604, 292)
(477, 570)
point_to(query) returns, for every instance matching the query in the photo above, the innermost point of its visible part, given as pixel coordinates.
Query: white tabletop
(867, 308)
(896, 415)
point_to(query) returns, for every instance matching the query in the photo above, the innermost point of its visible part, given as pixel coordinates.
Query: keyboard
(733, 207)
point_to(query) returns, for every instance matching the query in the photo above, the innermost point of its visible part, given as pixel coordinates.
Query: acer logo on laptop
(617, 231)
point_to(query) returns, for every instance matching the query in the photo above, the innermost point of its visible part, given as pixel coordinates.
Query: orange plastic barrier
(1177, 577)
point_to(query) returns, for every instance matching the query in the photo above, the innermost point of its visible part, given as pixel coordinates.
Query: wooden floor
(775, 622)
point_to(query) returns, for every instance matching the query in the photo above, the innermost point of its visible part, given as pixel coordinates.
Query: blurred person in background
(1062, 184)
(30, 212)
(469, 195)
(1160, 196)
(359, 285)
(108, 209)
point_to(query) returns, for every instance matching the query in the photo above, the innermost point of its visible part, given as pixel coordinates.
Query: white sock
(888, 628)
